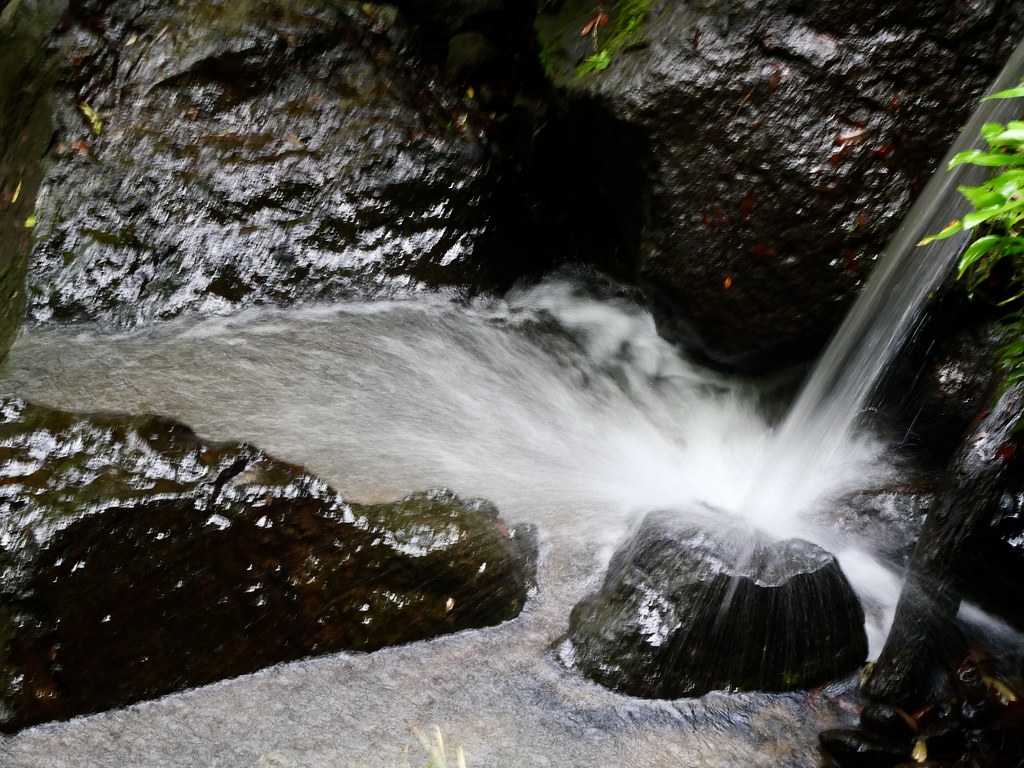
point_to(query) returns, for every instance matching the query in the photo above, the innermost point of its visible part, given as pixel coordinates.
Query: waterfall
(820, 424)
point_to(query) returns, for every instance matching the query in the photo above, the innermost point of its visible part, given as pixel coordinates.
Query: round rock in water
(688, 607)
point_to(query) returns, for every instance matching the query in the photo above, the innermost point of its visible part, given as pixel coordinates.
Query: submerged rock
(216, 155)
(137, 559)
(687, 608)
(755, 157)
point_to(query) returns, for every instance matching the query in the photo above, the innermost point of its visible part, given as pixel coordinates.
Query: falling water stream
(884, 316)
(562, 405)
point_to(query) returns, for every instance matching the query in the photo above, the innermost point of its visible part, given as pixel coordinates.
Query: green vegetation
(996, 256)
(629, 16)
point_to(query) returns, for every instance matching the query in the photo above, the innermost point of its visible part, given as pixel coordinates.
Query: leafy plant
(998, 221)
(628, 18)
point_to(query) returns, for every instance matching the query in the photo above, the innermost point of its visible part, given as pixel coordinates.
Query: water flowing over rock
(217, 155)
(756, 156)
(688, 607)
(972, 531)
(138, 559)
(888, 519)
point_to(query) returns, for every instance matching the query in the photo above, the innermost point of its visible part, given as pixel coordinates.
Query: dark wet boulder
(755, 157)
(217, 155)
(850, 748)
(955, 381)
(688, 607)
(946, 373)
(994, 573)
(969, 547)
(25, 132)
(450, 17)
(887, 519)
(979, 721)
(138, 559)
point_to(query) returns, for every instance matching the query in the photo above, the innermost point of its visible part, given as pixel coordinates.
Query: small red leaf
(599, 20)
(747, 205)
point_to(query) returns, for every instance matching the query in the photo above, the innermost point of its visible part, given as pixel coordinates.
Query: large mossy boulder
(209, 156)
(755, 156)
(137, 559)
(689, 606)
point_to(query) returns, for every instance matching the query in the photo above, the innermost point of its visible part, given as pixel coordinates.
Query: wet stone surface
(687, 608)
(888, 519)
(25, 130)
(214, 155)
(755, 157)
(968, 548)
(137, 559)
(978, 723)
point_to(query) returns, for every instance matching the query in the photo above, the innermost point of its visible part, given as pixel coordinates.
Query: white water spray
(821, 424)
(565, 409)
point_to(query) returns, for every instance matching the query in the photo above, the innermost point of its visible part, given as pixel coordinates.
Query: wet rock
(945, 375)
(925, 644)
(889, 722)
(470, 53)
(979, 721)
(25, 132)
(138, 559)
(447, 18)
(849, 748)
(689, 607)
(955, 383)
(218, 155)
(755, 157)
(889, 518)
(993, 567)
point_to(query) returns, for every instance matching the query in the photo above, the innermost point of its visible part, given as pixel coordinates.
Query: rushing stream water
(564, 408)
(567, 410)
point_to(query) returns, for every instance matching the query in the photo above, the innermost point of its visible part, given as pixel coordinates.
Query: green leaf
(1008, 182)
(1009, 93)
(992, 159)
(975, 218)
(31, 221)
(954, 227)
(976, 250)
(982, 197)
(1012, 134)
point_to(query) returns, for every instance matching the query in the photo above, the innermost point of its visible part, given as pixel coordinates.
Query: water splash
(560, 404)
(821, 424)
